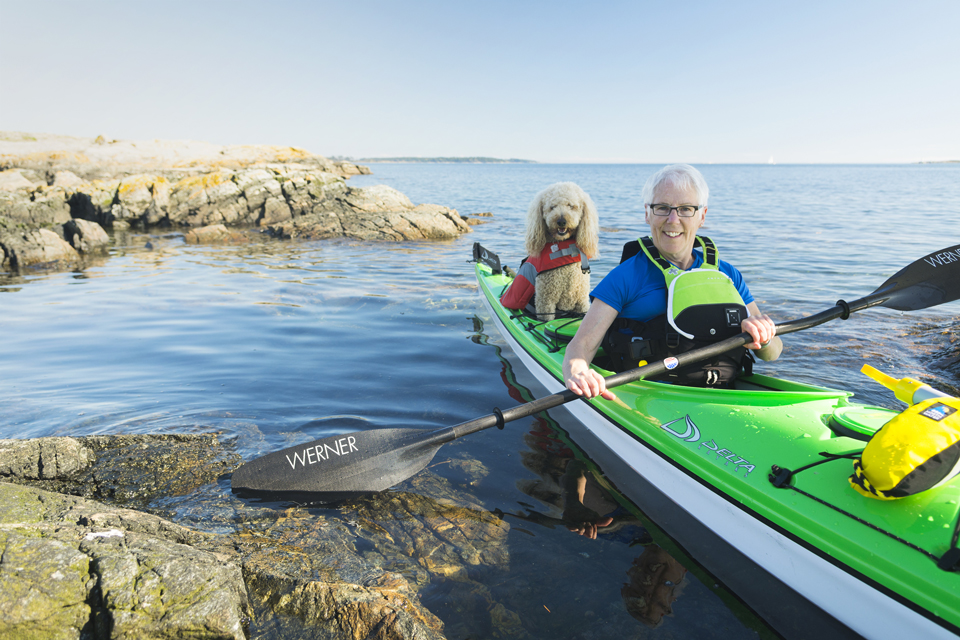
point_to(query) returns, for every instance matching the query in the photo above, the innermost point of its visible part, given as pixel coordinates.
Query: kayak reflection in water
(656, 580)
(578, 493)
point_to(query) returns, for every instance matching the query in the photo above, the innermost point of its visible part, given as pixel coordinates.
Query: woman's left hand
(761, 328)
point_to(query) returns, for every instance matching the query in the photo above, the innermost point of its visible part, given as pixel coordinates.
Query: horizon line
(464, 160)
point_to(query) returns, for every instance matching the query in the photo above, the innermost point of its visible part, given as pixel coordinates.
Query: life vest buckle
(639, 349)
(673, 340)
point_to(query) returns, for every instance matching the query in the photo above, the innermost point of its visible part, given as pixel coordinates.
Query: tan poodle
(561, 212)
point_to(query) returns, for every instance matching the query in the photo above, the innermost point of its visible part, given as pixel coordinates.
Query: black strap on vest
(655, 253)
(709, 251)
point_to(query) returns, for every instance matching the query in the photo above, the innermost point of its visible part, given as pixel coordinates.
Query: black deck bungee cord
(780, 478)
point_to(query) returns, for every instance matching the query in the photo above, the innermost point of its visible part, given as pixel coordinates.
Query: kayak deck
(730, 441)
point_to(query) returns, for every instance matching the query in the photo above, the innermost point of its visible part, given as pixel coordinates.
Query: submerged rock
(130, 470)
(384, 609)
(473, 219)
(214, 234)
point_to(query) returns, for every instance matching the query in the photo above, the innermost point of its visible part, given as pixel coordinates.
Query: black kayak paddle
(361, 462)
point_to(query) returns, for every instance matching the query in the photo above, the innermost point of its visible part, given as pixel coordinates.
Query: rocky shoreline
(140, 536)
(60, 195)
(88, 549)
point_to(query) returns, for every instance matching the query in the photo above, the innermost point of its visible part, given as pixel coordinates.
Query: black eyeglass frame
(653, 207)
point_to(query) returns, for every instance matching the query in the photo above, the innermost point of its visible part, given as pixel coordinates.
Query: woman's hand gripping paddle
(366, 461)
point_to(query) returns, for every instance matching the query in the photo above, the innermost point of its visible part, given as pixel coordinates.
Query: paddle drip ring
(846, 309)
(500, 420)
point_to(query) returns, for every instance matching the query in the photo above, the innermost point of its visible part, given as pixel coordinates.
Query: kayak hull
(697, 461)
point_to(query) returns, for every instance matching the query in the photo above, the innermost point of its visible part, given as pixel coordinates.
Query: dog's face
(562, 212)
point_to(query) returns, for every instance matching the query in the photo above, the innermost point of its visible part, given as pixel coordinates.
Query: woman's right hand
(586, 382)
(577, 374)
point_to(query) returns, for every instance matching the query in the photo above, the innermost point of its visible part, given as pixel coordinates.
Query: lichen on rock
(64, 575)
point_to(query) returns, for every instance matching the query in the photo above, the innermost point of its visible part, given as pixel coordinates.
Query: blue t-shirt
(637, 290)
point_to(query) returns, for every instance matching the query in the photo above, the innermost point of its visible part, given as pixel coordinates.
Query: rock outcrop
(117, 468)
(87, 551)
(51, 158)
(75, 188)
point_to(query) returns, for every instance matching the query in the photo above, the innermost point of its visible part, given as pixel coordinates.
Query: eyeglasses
(684, 210)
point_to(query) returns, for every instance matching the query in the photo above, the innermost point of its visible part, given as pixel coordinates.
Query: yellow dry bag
(917, 450)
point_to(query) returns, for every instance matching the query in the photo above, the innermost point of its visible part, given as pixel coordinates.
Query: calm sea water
(277, 342)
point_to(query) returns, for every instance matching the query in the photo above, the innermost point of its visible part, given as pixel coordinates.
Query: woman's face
(672, 235)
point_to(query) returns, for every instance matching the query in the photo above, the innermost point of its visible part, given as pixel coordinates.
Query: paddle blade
(339, 466)
(931, 280)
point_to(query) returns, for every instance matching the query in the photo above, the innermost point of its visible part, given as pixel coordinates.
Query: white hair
(679, 175)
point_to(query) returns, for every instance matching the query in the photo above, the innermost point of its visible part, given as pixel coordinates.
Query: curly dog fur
(560, 212)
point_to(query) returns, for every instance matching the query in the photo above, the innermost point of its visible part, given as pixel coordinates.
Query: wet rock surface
(258, 570)
(131, 470)
(58, 195)
(74, 568)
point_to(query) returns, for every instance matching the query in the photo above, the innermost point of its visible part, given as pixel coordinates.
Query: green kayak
(725, 473)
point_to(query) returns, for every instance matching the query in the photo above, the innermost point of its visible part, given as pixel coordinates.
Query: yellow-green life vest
(703, 304)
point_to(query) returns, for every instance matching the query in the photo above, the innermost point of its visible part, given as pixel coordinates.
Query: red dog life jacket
(553, 256)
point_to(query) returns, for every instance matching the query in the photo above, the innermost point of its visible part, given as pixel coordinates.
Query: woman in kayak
(634, 294)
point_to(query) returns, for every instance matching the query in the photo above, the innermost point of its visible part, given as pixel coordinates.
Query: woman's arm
(579, 377)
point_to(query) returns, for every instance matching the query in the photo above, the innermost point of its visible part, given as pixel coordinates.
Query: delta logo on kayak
(692, 434)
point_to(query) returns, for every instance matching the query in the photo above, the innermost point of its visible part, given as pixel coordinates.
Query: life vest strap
(710, 259)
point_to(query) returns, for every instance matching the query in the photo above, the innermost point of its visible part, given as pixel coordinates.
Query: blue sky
(859, 81)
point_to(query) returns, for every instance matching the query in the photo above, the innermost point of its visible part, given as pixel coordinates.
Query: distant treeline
(471, 160)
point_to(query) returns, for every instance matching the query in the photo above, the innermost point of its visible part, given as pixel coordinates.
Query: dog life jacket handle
(571, 250)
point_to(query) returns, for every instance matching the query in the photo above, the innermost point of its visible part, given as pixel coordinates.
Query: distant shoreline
(441, 160)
